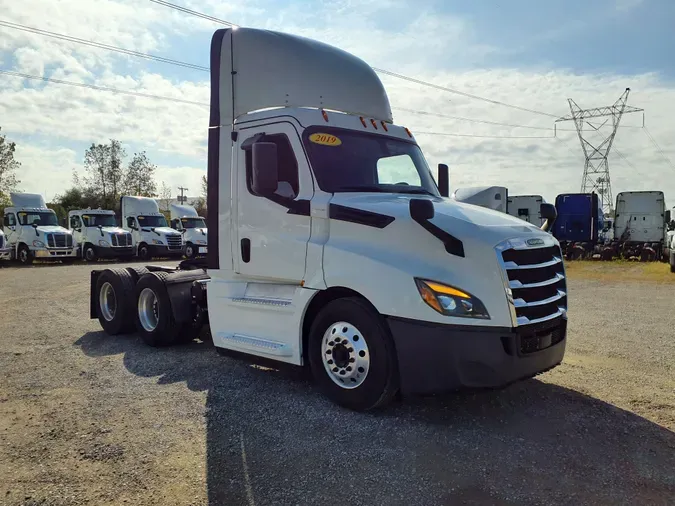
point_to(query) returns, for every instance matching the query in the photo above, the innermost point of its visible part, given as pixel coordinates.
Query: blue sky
(528, 53)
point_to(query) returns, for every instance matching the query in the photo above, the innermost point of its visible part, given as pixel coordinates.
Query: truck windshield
(349, 161)
(193, 222)
(152, 221)
(96, 220)
(46, 218)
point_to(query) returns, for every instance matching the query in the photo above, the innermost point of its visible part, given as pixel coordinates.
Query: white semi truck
(5, 250)
(98, 236)
(526, 207)
(332, 246)
(150, 232)
(489, 197)
(640, 222)
(185, 219)
(32, 231)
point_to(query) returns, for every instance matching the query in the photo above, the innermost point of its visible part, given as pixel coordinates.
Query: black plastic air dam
(436, 358)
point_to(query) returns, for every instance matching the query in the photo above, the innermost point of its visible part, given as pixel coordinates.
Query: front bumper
(114, 251)
(435, 358)
(164, 251)
(5, 253)
(55, 253)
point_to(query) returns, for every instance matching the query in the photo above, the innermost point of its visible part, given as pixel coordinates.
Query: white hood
(113, 230)
(161, 230)
(53, 229)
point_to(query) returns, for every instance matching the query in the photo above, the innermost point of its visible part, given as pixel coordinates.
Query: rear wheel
(114, 293)
(154, 315)
(352, 356)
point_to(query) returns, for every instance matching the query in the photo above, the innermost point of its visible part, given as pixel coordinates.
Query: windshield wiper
(363, 188)
(386, 189)
(415, 191)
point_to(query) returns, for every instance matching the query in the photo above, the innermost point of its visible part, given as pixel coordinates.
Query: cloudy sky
(529, 53)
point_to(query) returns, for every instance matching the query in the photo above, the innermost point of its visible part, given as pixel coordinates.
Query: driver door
(10, 228)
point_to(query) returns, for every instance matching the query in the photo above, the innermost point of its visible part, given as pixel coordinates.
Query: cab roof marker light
(384, 125)
(408, 132)
(363, 122)
(325, 115)
(372, 122)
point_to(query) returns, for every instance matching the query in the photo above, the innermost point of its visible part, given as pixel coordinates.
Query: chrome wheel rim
(108, 302)
(345, 355)
(148, 309)
(23, 255)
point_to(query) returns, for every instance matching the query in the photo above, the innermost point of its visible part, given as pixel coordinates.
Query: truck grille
(122, 240)
(174, 241)
(537, 281)
(59, 241)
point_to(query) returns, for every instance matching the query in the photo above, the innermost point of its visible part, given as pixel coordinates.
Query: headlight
(201, 242)
(157, 241)
(103, 243)
(451, 301)
(38, 244)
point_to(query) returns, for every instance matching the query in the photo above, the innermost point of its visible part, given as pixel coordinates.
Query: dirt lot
(88, 419)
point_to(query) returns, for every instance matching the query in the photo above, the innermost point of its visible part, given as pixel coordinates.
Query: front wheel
(352, 356)
(190, 251)
(144, 252)
(24, 255)
(89, 253)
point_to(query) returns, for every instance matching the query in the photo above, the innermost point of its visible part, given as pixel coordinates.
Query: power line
(659, 149)
(100, 45)
(484, 136)
(101, 88)
(378, 70)
(460, 118)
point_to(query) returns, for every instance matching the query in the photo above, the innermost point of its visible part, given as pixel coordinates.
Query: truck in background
(332, 247)
(97, 235)
(578, 224)
(489, 197)
(526, 207)
(32, 231)
(640, 224)
(150, 232)
(185, 219)
(5, 250)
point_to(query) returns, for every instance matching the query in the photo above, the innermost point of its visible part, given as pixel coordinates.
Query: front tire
(190, 251)
(144, 252)
(24, 255)
(89, 253)
(352, 355)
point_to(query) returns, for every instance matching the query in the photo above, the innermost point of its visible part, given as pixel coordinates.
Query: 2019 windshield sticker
(325, 139)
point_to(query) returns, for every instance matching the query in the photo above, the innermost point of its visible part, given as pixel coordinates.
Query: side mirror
(421, 210)
(34, 225)
(443, 180)
(549, 213)
(265, 169)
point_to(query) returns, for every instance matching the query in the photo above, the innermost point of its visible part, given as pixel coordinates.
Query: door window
(10, 220)
(75, 222)
(287, 180)
(131, 222)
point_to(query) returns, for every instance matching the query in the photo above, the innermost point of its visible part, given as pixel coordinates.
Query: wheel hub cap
(345, 355)
(108, 301)
(148, 310)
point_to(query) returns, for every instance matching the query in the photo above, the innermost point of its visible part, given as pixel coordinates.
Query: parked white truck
(526, 207)
(640, 222)
(98, 236)
(185, 219)
(32, 231)
(489, 197)
(332, 246)
(150, 232)
(5, 250)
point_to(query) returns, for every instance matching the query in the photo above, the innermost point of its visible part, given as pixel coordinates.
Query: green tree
(105, 173)
(139, 178)
(8, 169)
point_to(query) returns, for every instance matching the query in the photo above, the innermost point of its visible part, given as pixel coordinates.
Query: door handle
(246, 250)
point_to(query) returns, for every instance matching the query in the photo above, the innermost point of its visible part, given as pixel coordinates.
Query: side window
(131, 222)
(75, 222)
(397, 169)
(10, 220)
(287, 181)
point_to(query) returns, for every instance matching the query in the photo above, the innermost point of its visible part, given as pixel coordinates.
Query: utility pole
(596, 167)
(181, 198)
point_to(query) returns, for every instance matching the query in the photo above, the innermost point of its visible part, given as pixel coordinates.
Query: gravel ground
(90, 419)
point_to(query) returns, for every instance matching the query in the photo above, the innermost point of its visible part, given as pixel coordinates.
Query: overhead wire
(658, 147)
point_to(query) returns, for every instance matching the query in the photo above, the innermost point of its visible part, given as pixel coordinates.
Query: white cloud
(390, 34)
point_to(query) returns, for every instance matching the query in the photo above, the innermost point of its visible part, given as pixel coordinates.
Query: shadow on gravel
(272, 438)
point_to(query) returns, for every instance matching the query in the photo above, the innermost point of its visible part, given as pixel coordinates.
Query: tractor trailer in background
(489, 197)
(578, 224)
(32, 231)
(640, 224)
(331, 245)
(185, 219)
(526, 207)
(98, 236)
(150, 232)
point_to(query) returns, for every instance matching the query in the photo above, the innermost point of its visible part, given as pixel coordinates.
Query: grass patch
(620, 270)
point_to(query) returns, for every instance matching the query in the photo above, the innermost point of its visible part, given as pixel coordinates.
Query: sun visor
(260, 69)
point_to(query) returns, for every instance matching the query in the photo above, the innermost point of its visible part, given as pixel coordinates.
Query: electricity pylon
(596, 168)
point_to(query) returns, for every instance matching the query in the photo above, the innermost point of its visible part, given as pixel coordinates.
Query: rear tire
(154, 315)
(114, 296)
(137, 273)
(364, 376)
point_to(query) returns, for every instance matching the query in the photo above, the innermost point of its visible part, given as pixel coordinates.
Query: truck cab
(331, 246)
(489, 197)
(149, 229)
(32, 231)
(526, 207)
(640, 223)
(185, 219)
(98, 236)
